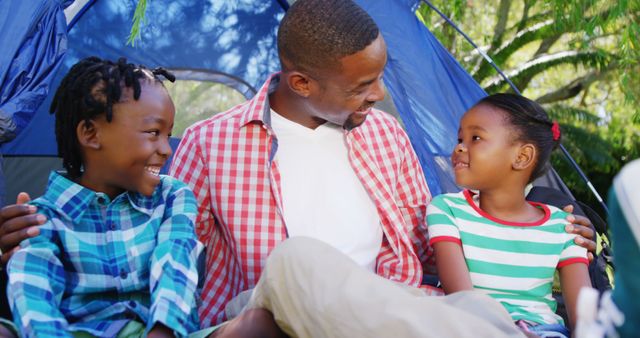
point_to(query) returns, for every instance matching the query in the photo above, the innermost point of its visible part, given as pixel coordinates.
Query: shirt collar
(258, 109)
(73, 199)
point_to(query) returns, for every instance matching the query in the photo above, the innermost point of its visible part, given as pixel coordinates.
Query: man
(307, 156)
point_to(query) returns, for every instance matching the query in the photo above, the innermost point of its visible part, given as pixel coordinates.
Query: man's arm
(413, 196)
(173, 270)
(17, 223)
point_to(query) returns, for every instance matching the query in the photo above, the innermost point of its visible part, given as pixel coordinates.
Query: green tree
(579, 58)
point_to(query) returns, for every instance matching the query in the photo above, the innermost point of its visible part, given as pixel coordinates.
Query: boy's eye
(154, 132)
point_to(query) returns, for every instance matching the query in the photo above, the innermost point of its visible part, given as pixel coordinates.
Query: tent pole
(573, 163)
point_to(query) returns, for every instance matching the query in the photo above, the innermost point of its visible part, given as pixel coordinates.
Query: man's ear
(299, 83)
(88, 135)
(526, 157)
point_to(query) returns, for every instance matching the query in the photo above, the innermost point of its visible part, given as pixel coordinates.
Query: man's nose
(377, 91)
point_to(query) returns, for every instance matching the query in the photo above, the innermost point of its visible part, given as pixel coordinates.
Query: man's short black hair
(316, 34)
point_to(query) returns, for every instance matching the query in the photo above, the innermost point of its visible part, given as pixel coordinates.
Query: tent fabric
(33, 40)
(232, 38)
(234, 42)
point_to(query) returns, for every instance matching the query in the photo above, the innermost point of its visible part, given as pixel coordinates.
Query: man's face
(345, 95)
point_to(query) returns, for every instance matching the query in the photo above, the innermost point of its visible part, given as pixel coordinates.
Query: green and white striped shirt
(512, 262)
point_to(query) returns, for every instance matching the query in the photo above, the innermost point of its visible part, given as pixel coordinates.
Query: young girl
(117, 256)
(488, 237)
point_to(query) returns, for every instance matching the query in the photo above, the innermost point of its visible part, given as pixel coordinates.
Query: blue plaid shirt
(99, 263)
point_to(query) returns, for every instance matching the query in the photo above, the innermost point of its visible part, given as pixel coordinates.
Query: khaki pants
(313, 290)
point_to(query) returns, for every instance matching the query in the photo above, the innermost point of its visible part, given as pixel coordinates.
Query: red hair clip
(555, 130)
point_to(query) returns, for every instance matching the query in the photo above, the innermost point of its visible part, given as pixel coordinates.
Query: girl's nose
(460, 148)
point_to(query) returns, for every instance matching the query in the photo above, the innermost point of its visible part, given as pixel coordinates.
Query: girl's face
(486, 149)
(135, 144)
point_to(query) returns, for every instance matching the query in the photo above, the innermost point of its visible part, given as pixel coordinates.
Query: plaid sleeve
(189, 166)
(442, 226)
(173, 271)
(414, 196)
(36, 286)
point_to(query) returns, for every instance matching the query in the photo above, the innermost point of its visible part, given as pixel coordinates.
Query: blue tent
(232, 42)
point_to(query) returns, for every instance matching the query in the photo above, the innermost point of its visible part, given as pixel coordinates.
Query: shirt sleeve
(572, 253)
(189, 166)
(413, 196)
(36, 285)
(441, 223)
(173, 270)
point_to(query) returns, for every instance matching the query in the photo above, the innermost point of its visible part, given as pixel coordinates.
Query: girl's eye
(459, 140)
(475, 138)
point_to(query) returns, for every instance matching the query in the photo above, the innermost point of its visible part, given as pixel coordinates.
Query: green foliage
(138, 18)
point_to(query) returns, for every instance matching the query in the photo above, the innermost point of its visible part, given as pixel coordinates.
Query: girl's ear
(88, 136)
(526, 157)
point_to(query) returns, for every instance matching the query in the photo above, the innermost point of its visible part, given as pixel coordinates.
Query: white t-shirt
(321, 195)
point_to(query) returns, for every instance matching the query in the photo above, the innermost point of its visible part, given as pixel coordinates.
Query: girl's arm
(573, 277)
(452, 268)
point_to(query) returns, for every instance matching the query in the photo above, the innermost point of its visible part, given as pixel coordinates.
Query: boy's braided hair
(91, 88)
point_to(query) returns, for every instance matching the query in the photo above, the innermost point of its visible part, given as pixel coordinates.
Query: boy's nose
(165, 148)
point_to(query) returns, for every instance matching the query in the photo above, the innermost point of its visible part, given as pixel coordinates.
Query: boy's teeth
(153, 170)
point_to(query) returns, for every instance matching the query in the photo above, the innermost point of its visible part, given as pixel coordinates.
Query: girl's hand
(582, 227)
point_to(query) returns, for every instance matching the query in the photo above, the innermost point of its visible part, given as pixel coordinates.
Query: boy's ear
(525, 157)
(88, 136)
(299, 83)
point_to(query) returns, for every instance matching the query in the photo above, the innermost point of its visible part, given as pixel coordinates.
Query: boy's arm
(452, 268)
(173, 270)
(36, 286)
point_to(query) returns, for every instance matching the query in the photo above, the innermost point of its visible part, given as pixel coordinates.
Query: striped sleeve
(440, 222)
(572, 253)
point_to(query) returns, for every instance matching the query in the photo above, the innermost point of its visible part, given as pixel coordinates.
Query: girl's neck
(509, 205)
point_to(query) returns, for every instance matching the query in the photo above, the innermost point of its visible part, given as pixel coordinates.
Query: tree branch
(573, 88)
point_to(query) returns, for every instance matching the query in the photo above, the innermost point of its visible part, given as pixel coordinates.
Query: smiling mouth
(460, 165)
(153, 170)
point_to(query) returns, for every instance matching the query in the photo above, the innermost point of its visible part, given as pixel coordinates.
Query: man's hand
(17, 223)
(582, 227)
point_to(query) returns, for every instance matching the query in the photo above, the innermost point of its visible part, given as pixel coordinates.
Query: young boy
(118, 254)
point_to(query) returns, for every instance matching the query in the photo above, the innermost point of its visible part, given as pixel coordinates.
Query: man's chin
(355, 119)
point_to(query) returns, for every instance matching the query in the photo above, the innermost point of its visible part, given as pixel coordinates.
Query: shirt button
(101, 200)
(123, 274)
(112, 226)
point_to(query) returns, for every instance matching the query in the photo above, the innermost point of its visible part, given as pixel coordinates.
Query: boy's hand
(17, 223)
(160, 331)
(582, 227)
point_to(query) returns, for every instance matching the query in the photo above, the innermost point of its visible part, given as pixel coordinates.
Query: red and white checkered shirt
(229, 161)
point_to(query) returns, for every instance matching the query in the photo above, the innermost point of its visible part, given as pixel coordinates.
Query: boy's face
(135, 144)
